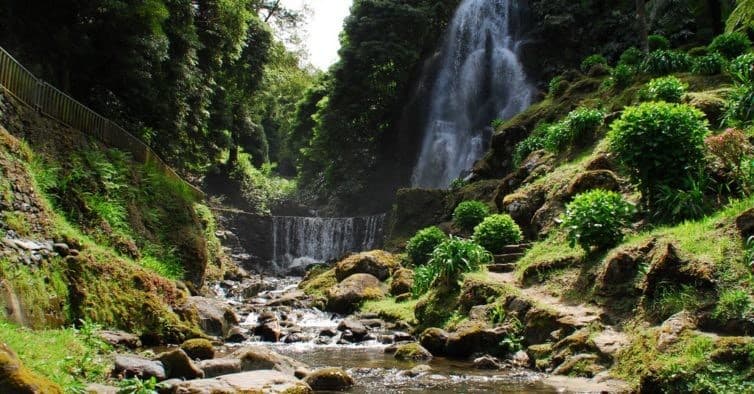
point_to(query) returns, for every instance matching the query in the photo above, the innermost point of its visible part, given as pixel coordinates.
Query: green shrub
(733, 304)
(631, 57)
(557, 137)
(535, 141)
(669, 89)
(577, 125)
(659, 143)
(591, 61)
(424, 276)
(656, 42)
(557, 86)
(739, 110)
(421, 245)
(497, 231)
(457, 256)
(663, 62)
(730, 45)
(674, 204)
(621, 76)
(741, 68)
(597, 218)
(470, 213)
(458, 184)
(711, 64)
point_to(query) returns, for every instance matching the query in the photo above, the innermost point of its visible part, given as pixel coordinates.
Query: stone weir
(288, 244)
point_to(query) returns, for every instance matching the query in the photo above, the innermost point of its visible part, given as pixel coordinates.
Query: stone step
(501, 268)
(508, 258)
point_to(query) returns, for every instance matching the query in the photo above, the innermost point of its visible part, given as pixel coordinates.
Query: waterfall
(302, 240)
(480, 79)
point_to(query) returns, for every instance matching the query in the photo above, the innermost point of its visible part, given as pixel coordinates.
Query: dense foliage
(470, 213)
(660, 144)
(497, 231)
(711, 64)
(730, 45)
(579, 125)
(597, 218)
(449, 260)
(669, 89)
(663, 62)
(592, 61)
(420, 247)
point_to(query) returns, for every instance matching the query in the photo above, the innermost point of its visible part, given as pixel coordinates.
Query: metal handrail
(47, 99)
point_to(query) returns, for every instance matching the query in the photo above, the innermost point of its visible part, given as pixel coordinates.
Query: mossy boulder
(435, 307)
(377, 263)
(17, 379)
(403, 280)
(434, 339)
(412, 352)
(317, 281)
(711, 103)
(347, 295)
(474, 336)
(477, 292)
(590, 180)
(255, 358)
(199, 348)
(329, 379)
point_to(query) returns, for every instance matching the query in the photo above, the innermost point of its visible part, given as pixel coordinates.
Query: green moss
(318, 283)
(42, 292)
(17, 222)
(411, 351)
(545, 256)
(389, 309)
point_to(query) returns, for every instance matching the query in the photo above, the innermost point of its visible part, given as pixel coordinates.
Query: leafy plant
(711, 64)
(421, 245)
(621, 76)
(670, 299)
(557, 86)
(424, 276)
(742, 68)
(457, 256)
(663, 62)
(669, 89)
(730, 45)
(470, 213)
(138, 386)
(660, 144)
(749, 252)
(457, 184)
(597, 218)
(733, 304)
(740, 108)
(577, 125)
(687, 201)
(535, 141)
(497, 314)
(497, 231)
(497, 123)
(631, 57)
(657, 42)
(591, 61)
(730, 146)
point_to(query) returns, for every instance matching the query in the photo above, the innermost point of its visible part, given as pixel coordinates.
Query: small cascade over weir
(480, 79)
(304, 240)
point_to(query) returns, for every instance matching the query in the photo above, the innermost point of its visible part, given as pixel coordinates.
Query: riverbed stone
(412, 352)
(199, 348)
(262, 381)
(488, 362)
(120, 338)
(215, 317)
(346, 296)
(219, 366)
(377, 263)
(434, 339)
(236, 334)
(178, 365)
(254, 358)
(131, 366)
(329, 379)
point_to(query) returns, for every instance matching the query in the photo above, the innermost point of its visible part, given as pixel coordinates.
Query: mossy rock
(377, 263)
(403, 280)
(476, 292)
(412, 352)
(346, 296)
(435, 307)
(17, 379)
(317, 282)
(199, 348)
(434, 339)
(329, 379)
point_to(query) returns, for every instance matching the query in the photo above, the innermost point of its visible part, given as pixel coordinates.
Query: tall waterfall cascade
(304, 240)
(480, 79)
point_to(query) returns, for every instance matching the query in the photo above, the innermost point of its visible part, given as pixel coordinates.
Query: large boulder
(403, 281)
(178, 365)
(590, 180)
(329, 379)
(262, 381)
(199, 348)
(434, 339)
(120, 338)
(15, 378)
(130, 366)
(475, 337)
(351, 292)
(254, 358)
(412, 352)
(377, 263)
(215, 317)
(219, 367)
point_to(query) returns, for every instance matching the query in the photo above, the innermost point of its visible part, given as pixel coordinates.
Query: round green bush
(621, 76)
(597, 218)
(577, 125)
(669, 89)
(470, 213)
(659, 143)
(730, 45)
(420, 247)
(497, 231)
(663, 62)
(631, 57)
(456, 256)
(591, 61)
(657, 42)
(711, 64)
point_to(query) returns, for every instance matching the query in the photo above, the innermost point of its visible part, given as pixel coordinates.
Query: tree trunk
(641, 19)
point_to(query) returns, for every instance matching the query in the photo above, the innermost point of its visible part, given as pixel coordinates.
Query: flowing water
(480, 79)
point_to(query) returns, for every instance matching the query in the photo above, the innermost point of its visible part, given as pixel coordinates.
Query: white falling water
(481, 79)
(303, 240)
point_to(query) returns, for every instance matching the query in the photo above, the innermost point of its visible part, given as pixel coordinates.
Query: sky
(325, 24)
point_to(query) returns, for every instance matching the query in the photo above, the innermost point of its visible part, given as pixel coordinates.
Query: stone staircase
(508, 257)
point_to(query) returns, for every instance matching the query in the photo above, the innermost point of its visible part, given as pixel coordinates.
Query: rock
(522, 207)
(268, 331)
(215, 317)
(711, 103)
(62, 249)
(377, 263)
(219, 366)
(356, 328)
(618, 275)
(487, 362)
(609, 342)
(601, 162)
(120, 338)
(16, 378)
(412, 352)
(745, 223)
(400, 336)
(329, 379)
(328, 332)
(582, 365)
(236, 335)
(434, 340)
(416, 371)
(672, 328)
(198, 348)
(475, 337)
(521, 359)
(95, 388)
(403, 281)
(178, 365)
(351, 292)
(590, 180)
(539, 323)
(291, 298)
(258, 358)
(130, 366)
(262, 381)
(403, 297)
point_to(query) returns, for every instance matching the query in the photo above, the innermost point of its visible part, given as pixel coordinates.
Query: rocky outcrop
(347, 295)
